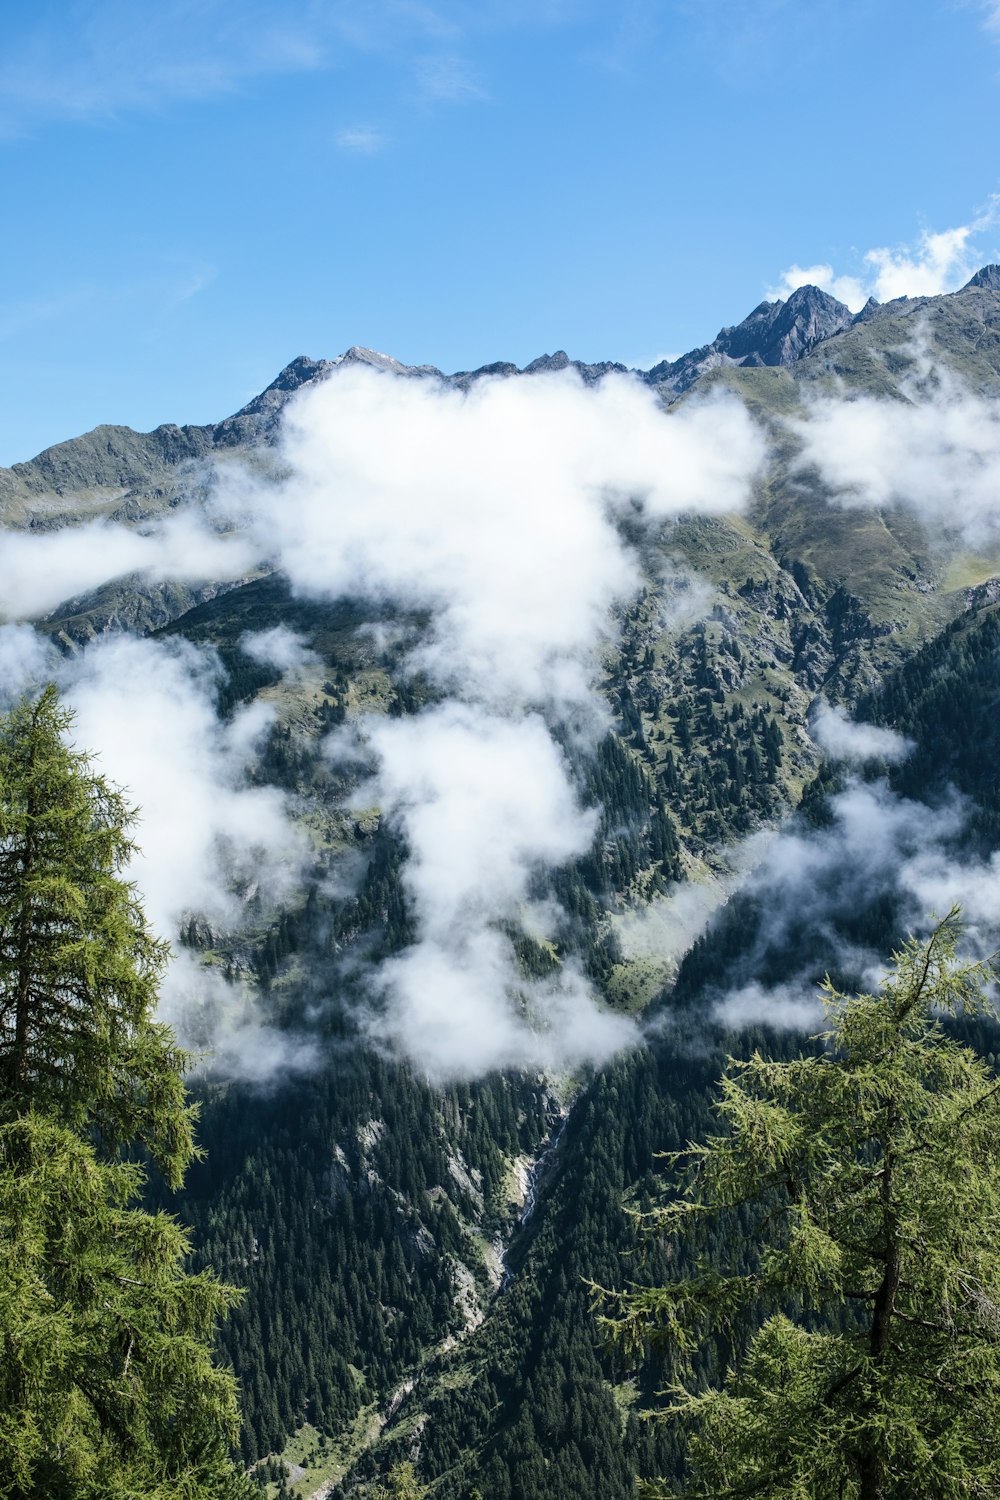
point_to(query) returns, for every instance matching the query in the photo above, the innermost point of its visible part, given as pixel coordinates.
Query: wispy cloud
(361, 140)
(102, 59)
(937, 261)
(178, 282)
(450, 79)
(109, 56)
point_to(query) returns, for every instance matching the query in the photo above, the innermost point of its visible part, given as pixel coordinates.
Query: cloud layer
(500, 517)
(42, 569)
(935, 452)
(498, 514)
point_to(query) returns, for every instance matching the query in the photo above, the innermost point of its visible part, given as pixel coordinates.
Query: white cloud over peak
(939, 261)
(848, 289)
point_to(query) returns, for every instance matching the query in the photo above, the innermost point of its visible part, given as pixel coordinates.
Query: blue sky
(196, 191)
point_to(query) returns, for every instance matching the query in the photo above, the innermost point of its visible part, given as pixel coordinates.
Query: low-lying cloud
(483, 803)
(498, 514)
(843, 738)
(279, 647)
(42, 569)
(210, 843)
(812, 885)
(936, 452)
(211, 846)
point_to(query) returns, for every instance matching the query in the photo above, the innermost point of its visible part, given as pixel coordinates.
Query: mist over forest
(509, 749)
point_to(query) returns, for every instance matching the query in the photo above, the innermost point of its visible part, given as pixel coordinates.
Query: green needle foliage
(867, 1179)
(79, 966)
(107, 1386)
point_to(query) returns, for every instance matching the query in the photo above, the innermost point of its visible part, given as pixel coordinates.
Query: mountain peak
(558, 361)
(774, 333)
(988, 278)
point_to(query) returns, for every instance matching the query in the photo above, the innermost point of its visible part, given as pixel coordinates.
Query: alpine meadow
(500, 851)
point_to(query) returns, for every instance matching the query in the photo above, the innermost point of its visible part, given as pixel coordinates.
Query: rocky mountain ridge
(116, 472)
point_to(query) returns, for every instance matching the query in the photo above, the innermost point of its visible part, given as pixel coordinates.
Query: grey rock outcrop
(988, 278)
(775, 333)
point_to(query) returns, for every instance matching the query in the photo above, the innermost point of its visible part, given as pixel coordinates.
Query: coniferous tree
(79, 966)
(871, 1174)
(107, 1386)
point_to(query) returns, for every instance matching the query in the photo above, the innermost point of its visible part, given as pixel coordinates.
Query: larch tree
(79, 965)
(108, 1390)
(870, 1174)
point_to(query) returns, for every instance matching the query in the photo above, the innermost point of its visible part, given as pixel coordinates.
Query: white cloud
(497, 512)
(209, 843)
(483, 802)
(361, 140)
(937, 452)
(279, 647)
(786, 1007)
(222, 1023)
(811, 884)
(669, 925)
(211, 846)
(847, 739)
(42, 569)
(848, 289)
(26, 658)
(940, 261)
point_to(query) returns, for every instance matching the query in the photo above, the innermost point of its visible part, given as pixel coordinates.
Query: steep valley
(418, 1252)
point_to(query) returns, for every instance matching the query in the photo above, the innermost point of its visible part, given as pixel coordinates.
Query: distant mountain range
(137, 465)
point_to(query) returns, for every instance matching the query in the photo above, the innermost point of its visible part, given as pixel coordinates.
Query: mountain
(775, 333)
(416, 1257)
(121, 474)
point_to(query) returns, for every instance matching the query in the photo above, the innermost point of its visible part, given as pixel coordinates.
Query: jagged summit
(775, 333)
(988, 277)
(871, 307)
(357, 354)
(778, 333)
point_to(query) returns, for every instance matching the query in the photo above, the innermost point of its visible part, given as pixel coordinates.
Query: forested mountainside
(416, 1254)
